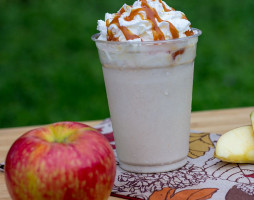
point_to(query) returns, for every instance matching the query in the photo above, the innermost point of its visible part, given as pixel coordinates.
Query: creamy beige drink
(147, 52)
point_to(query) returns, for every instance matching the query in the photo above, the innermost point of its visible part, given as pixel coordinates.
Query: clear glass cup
(149, 90)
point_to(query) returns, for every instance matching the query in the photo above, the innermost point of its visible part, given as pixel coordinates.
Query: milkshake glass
(149, 90)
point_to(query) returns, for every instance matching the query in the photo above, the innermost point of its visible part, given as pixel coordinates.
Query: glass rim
(95, 39)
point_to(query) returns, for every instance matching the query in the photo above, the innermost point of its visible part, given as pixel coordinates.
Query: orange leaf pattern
(164, 194)
(191, 194)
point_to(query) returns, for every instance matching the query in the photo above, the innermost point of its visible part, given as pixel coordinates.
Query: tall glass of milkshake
(147, 51)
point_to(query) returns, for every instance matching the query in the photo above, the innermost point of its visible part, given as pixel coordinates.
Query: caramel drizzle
(151, 15)
(164, 7)
(179, 52)
(189, 32)
(127, 33)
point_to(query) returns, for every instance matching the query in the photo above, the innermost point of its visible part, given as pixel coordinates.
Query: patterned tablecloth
(203, 177)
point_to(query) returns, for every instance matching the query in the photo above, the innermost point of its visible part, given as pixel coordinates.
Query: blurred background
(50, 69)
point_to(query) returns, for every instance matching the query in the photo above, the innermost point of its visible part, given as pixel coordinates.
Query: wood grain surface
(216, 121)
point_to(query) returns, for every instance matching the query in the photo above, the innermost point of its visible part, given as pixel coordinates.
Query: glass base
(153, 168)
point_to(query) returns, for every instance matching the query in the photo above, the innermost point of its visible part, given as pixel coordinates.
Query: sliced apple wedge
(252, 119)
(236, 146)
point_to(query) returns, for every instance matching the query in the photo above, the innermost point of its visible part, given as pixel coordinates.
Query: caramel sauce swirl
(179, 52)
(127, 33)
(151, 15)
(189, 33)
(164, 7)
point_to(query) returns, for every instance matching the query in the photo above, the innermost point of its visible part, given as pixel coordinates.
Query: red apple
(65, 160)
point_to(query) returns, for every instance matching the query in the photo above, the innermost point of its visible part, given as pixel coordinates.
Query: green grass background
(50, 70)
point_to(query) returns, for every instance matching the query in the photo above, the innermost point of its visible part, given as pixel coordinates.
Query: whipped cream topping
(145, 20)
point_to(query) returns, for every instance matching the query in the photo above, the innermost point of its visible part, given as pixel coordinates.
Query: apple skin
(65, 160)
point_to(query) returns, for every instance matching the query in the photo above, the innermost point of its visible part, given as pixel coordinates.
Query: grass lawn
(50, 70)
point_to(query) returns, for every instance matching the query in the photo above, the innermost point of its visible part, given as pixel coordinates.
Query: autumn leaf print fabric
(199, 144)
(170, 194)
(203, 177)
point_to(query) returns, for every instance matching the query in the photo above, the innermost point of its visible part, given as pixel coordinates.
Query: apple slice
(252, 119)
(236, 146)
